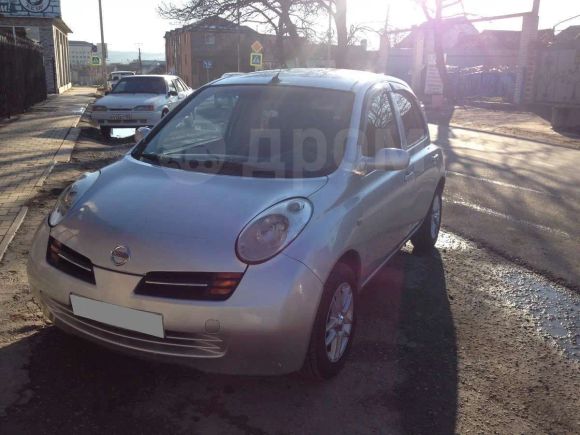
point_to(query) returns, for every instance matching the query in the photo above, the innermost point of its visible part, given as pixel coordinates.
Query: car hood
(171, 220)
(123, 101)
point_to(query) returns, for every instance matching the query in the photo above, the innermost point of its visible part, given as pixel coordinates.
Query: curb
(12, 231)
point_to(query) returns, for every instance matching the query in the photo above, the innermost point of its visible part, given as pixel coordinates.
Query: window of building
(381, 129)
(413, 123)
(209, 38)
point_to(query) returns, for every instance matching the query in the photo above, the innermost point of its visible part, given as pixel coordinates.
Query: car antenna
(276, 79)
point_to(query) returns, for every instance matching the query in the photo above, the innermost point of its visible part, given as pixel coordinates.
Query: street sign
(257, 47)
(256, 60)
(208, 64)
(95, 61)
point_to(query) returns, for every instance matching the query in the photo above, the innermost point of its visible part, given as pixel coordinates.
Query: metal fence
(22, 76)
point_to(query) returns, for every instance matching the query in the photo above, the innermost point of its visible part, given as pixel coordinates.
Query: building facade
(40, 21)
(80, 53)
(204, 51)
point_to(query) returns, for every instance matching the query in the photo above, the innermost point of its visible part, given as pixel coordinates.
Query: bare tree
(294, 18)
(337, 9)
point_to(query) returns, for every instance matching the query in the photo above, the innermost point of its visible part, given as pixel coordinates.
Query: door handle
(409, 176)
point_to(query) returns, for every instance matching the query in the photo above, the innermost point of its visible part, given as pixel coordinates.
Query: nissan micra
(236, 235)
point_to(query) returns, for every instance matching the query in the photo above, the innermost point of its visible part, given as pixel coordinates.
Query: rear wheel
(334, 326)
(106, 133)
(426, 237)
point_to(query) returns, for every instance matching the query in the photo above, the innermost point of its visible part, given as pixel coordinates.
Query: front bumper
(264, 327)
(125, 119)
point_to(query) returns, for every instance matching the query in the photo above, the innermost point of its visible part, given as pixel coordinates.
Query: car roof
(338, 79)
(165, 76)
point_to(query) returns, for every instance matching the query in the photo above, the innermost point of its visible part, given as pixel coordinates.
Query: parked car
(238, 233)
(115, 76)
(231, 74)
(138, 101)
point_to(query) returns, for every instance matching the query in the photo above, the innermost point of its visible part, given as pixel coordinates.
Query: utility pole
(139, 58)
(239, 34)
(103, 54)
(329, 54)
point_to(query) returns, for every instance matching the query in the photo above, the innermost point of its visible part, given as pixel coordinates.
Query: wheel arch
(352, 259)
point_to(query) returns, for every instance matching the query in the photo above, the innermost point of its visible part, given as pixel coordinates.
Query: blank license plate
(121, 317)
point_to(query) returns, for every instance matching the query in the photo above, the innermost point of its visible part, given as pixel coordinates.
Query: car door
(425, 157)
(381, 226)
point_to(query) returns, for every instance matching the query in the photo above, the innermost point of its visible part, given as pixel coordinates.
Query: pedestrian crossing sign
(256, 60)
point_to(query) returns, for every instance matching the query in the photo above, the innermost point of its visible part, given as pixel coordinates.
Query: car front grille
(175, 344)
(207, 286)
(69, 261)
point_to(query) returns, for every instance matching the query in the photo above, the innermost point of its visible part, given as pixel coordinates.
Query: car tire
(425, 238)
(106, 133)
(324, 361)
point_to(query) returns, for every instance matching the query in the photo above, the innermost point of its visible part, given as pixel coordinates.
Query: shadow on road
(402, 377)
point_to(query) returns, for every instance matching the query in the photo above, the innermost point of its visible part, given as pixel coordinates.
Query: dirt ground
(441, 348)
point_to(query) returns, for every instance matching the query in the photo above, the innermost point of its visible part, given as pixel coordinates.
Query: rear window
(141, 85)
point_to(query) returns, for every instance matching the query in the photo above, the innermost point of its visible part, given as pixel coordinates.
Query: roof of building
(339, 79)
(214, 24)
(80, 43)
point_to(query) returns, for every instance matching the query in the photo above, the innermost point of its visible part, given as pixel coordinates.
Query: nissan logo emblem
(120, 255)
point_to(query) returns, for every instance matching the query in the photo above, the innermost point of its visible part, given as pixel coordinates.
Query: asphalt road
(458, 341)
(518, 197)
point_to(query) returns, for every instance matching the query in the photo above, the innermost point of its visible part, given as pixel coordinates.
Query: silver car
(237, 234)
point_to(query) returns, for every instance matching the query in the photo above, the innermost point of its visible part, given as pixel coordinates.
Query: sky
(132, 23)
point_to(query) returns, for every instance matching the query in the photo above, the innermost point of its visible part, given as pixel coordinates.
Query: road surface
(519, 197)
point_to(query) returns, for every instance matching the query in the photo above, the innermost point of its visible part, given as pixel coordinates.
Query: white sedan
(139, 101)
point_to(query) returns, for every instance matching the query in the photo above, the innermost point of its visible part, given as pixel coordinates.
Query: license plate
(121, 317)
(120, 117)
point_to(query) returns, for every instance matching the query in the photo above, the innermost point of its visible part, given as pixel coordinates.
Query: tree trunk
(280, 55)
(341, 34)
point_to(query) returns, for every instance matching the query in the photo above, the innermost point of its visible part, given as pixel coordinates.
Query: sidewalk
(522, 125)
(29, 148)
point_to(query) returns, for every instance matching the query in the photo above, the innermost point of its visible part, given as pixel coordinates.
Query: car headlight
(70, 196)
(272, 230)
(100, 108)
(146, 108)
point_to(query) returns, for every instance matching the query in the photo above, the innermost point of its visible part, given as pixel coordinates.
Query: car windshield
(141, 85)
(259, 131)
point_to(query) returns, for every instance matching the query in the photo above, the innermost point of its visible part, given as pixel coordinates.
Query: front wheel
(425, 238)
(333, 330)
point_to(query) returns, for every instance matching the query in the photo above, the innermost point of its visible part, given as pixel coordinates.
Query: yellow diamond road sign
(257, 47)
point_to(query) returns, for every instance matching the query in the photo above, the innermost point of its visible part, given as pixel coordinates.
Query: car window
(183, 84)
(172, 87)
(413, 122)
(381, 127)
(274, 130)
(141, 85)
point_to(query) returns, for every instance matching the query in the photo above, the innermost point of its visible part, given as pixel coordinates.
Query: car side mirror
(172, 94)
(389, 159)
(141, 133)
